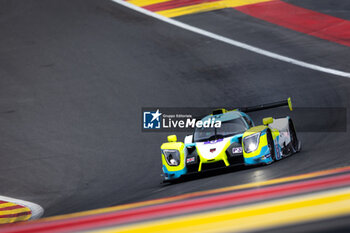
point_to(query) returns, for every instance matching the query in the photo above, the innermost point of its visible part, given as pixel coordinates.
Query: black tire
(271, 145)
(295, 143)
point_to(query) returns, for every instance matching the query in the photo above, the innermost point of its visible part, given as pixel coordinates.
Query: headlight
(172, 157)
(251, 142)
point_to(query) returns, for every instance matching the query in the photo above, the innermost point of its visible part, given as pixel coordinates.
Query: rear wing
(287, 102)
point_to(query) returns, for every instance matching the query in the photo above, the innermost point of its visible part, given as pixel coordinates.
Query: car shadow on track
(207, 174)
(223, 171)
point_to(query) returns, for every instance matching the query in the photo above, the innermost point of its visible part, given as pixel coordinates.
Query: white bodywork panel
(281, 124)
(188, 139)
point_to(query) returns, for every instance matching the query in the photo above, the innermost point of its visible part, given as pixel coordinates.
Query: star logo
(151, 120)
(156, 115)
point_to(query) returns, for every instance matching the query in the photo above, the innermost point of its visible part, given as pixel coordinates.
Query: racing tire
(271, 146)
(295, 144)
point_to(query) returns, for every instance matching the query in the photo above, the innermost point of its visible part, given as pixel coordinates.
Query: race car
(238, 141)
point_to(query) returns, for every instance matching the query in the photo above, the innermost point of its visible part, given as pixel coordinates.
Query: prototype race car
(237, 142)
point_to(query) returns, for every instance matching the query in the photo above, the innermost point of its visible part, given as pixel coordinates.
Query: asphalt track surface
(75, 74)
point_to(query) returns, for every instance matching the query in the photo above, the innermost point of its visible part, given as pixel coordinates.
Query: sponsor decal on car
(237, 150)
(190, 160)
(214, 141)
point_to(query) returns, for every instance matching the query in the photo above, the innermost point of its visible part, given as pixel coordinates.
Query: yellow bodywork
(267, 120)
(180, 146)
(290, 104)
(222, 156)
(262, 140)
(174, 146)
(172, 138)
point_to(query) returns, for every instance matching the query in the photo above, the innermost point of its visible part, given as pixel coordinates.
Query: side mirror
(172, 138)
(267, 120)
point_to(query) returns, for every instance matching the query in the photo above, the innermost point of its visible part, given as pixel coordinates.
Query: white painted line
(37, 210)
(234, 42)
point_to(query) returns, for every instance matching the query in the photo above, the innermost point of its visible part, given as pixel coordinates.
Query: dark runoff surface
(74, 76)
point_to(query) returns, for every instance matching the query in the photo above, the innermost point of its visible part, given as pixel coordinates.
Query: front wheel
(270, 145)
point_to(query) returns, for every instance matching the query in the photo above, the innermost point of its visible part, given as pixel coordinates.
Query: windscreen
(227, 129)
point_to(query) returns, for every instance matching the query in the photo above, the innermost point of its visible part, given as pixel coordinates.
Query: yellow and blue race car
(237, 142)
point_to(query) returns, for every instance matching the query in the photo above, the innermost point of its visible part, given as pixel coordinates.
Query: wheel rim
(269, 141)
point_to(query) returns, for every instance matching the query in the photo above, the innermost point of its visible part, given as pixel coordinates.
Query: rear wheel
(295, 143)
